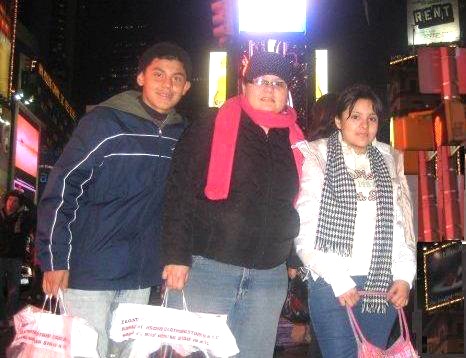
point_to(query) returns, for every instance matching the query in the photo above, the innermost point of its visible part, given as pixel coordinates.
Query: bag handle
(360, 339)
(59, 303)
(404, 331)
(48, 299)
(372, 293)
(185, 308)
(165, 299)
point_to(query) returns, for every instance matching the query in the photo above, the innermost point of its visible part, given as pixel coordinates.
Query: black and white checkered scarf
(337, 215)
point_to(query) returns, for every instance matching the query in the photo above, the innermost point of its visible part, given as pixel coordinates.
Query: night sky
(360, 44)
(358, 51)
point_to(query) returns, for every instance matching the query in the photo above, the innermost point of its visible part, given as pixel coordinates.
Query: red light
(221, 21)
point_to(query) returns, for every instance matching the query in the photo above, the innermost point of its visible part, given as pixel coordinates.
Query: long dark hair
(321, 122)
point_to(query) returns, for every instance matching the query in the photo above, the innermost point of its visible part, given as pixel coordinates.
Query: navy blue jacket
(99, 216)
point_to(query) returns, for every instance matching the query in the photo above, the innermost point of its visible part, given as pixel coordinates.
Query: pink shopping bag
(402, 348)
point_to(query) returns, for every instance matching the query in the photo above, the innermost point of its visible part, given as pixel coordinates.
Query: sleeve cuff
(405, 278)
(341, 284)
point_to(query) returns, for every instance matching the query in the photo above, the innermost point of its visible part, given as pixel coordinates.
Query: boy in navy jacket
(99, 217)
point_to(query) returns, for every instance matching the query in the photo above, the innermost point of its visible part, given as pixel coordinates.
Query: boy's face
(163, 84)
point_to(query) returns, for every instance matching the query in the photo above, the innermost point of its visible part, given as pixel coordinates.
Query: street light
(18, 95)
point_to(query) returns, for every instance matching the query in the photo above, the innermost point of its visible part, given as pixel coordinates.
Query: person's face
(163, 84)
(11, 205)
(264, 95)
(359, 127)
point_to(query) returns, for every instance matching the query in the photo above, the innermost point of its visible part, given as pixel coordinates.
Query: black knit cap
(268, 63)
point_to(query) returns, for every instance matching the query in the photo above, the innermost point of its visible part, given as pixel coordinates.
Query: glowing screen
(27, 146)
(264, 16)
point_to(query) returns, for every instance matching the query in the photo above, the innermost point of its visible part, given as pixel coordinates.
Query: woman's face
(267, 93)
(359, 127)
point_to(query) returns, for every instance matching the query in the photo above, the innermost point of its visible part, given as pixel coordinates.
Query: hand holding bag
(402, 348)
(45, 334)
(152, 327)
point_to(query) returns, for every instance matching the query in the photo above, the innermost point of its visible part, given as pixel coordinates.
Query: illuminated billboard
(432, 21)
(321, 73)
(443, 275)
(272, 16)
(217, 78)
(27, 146)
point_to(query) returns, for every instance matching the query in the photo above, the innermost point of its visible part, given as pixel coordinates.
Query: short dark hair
(168, 51)
(352, 94)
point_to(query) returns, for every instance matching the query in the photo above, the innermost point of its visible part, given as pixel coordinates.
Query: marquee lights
(429, 307)
(13, 46)
(55, 90)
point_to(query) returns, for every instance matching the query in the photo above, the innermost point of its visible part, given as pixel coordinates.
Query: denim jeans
(10, 277)
(331, 324)
(251, 298)
(97, 307)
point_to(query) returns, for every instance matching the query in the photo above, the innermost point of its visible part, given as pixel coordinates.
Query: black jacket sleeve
(185, 185)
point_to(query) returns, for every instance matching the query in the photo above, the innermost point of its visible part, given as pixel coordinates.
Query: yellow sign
(321, 73)
(217, 79)
(5, 53)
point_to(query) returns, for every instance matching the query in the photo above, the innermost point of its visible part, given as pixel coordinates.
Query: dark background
(107, 36)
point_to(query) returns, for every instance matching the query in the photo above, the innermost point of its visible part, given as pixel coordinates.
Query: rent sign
(432, 21)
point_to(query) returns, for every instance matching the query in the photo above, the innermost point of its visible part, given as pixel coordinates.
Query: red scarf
(226, 133)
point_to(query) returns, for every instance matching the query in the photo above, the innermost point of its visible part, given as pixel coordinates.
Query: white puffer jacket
(336, 269)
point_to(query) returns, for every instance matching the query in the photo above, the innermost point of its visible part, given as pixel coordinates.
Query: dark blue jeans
(331, 324)
(252, 299)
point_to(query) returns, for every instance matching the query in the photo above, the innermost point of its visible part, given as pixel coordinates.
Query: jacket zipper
(143, 256)
(267, 198)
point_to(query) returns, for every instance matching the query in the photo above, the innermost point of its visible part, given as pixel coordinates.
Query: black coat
(14, 232)
(255, 226)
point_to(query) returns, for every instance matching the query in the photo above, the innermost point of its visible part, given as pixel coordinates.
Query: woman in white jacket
(356, 227)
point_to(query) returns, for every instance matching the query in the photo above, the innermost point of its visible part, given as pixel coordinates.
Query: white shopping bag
(44, 334)
(153, 326)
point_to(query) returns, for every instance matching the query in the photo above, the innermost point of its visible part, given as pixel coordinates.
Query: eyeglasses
(265, 83)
